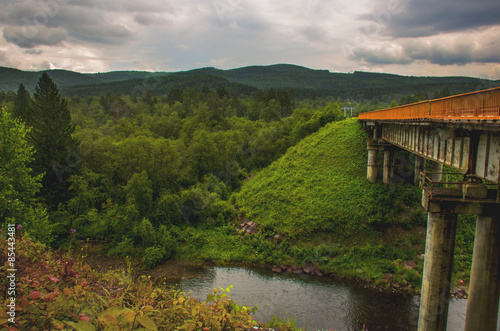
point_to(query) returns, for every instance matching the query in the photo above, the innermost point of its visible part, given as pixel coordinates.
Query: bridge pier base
(419, 167)
(436, 281)
(388, 167)
(436, 172)
(484, 290)
(372, 169)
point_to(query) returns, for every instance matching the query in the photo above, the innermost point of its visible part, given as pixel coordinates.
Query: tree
(140, 193)
(202, 154)
(18, 185)
(56, 150)
(21, 102)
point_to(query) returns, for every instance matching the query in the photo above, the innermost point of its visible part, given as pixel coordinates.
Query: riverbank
(57, 291)
(173, 271)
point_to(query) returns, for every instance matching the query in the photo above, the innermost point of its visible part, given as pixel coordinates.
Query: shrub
(145, 232)
(123, 248)
(153, 256)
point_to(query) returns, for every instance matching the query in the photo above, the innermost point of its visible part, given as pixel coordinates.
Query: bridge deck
(478, 106)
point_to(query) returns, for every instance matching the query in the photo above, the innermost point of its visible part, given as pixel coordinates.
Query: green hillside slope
(317, 198)
(320, 186)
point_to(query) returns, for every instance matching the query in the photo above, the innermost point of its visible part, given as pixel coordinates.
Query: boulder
(309, 269)
(318, 273)
(409, 265)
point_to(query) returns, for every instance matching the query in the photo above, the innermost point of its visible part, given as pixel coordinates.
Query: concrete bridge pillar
(388, 167)
(372, 170)
(436, 172)
(419, 167)
(436, 281)
(484, 290)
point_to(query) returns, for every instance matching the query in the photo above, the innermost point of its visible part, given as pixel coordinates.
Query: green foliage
(18, 186)
(123, 248)
(152, 256)
(139, 192)
(167, 209)
(145, 232)
(56, 150)
(21, 103)
(159, 166)
(464, 246)
(419, 217)
(75, 296)
(319, 186)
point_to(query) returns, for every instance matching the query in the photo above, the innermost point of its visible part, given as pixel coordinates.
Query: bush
(167, 242)
(123, 248)
(153, 256)
(167, 209)
(145, 232)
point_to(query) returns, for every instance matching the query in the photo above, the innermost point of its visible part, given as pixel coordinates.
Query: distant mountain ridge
(303, 81)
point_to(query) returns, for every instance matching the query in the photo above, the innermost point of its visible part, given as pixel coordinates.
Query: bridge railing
(480, 105)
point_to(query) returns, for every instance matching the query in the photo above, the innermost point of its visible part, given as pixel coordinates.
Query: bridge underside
(474, 150)
(469, 148)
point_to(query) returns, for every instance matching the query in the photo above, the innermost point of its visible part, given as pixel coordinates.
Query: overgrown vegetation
(58, 293)
(317, 199)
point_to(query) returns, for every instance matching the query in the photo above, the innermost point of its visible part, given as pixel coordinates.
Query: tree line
(132, 170)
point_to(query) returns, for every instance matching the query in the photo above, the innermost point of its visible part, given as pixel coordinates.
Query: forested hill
(305, 82)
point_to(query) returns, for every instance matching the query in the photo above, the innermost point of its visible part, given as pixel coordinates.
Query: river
(318, 303)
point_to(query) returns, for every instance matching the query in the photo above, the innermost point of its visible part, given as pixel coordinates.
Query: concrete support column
(437, 169)
(419, 166)
(372, 171)
(388, 167)
(436, 281)
(484, 291)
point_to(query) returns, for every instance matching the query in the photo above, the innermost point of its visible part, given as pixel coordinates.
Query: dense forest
(173, 175)
(137, 172)
(141, 173)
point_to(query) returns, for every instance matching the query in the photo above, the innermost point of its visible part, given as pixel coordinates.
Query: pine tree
(56, 150)
(21, 103)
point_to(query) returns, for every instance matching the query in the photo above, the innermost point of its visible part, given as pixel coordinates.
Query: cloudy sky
(409, 37)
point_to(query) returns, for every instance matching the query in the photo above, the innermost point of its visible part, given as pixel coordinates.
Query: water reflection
(317, 303)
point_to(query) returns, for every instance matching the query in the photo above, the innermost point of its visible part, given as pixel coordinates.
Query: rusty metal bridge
(463, 132)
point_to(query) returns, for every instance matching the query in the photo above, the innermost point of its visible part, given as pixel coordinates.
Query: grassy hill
(317, 198)
(320, 186)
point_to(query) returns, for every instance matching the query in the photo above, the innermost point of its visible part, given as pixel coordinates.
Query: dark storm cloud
(34, 36)
(31, 24)
(447, 32)
(109, 34)
(419, 18)
(457, 51)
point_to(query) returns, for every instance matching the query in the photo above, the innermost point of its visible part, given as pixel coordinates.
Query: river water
(318, 303)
